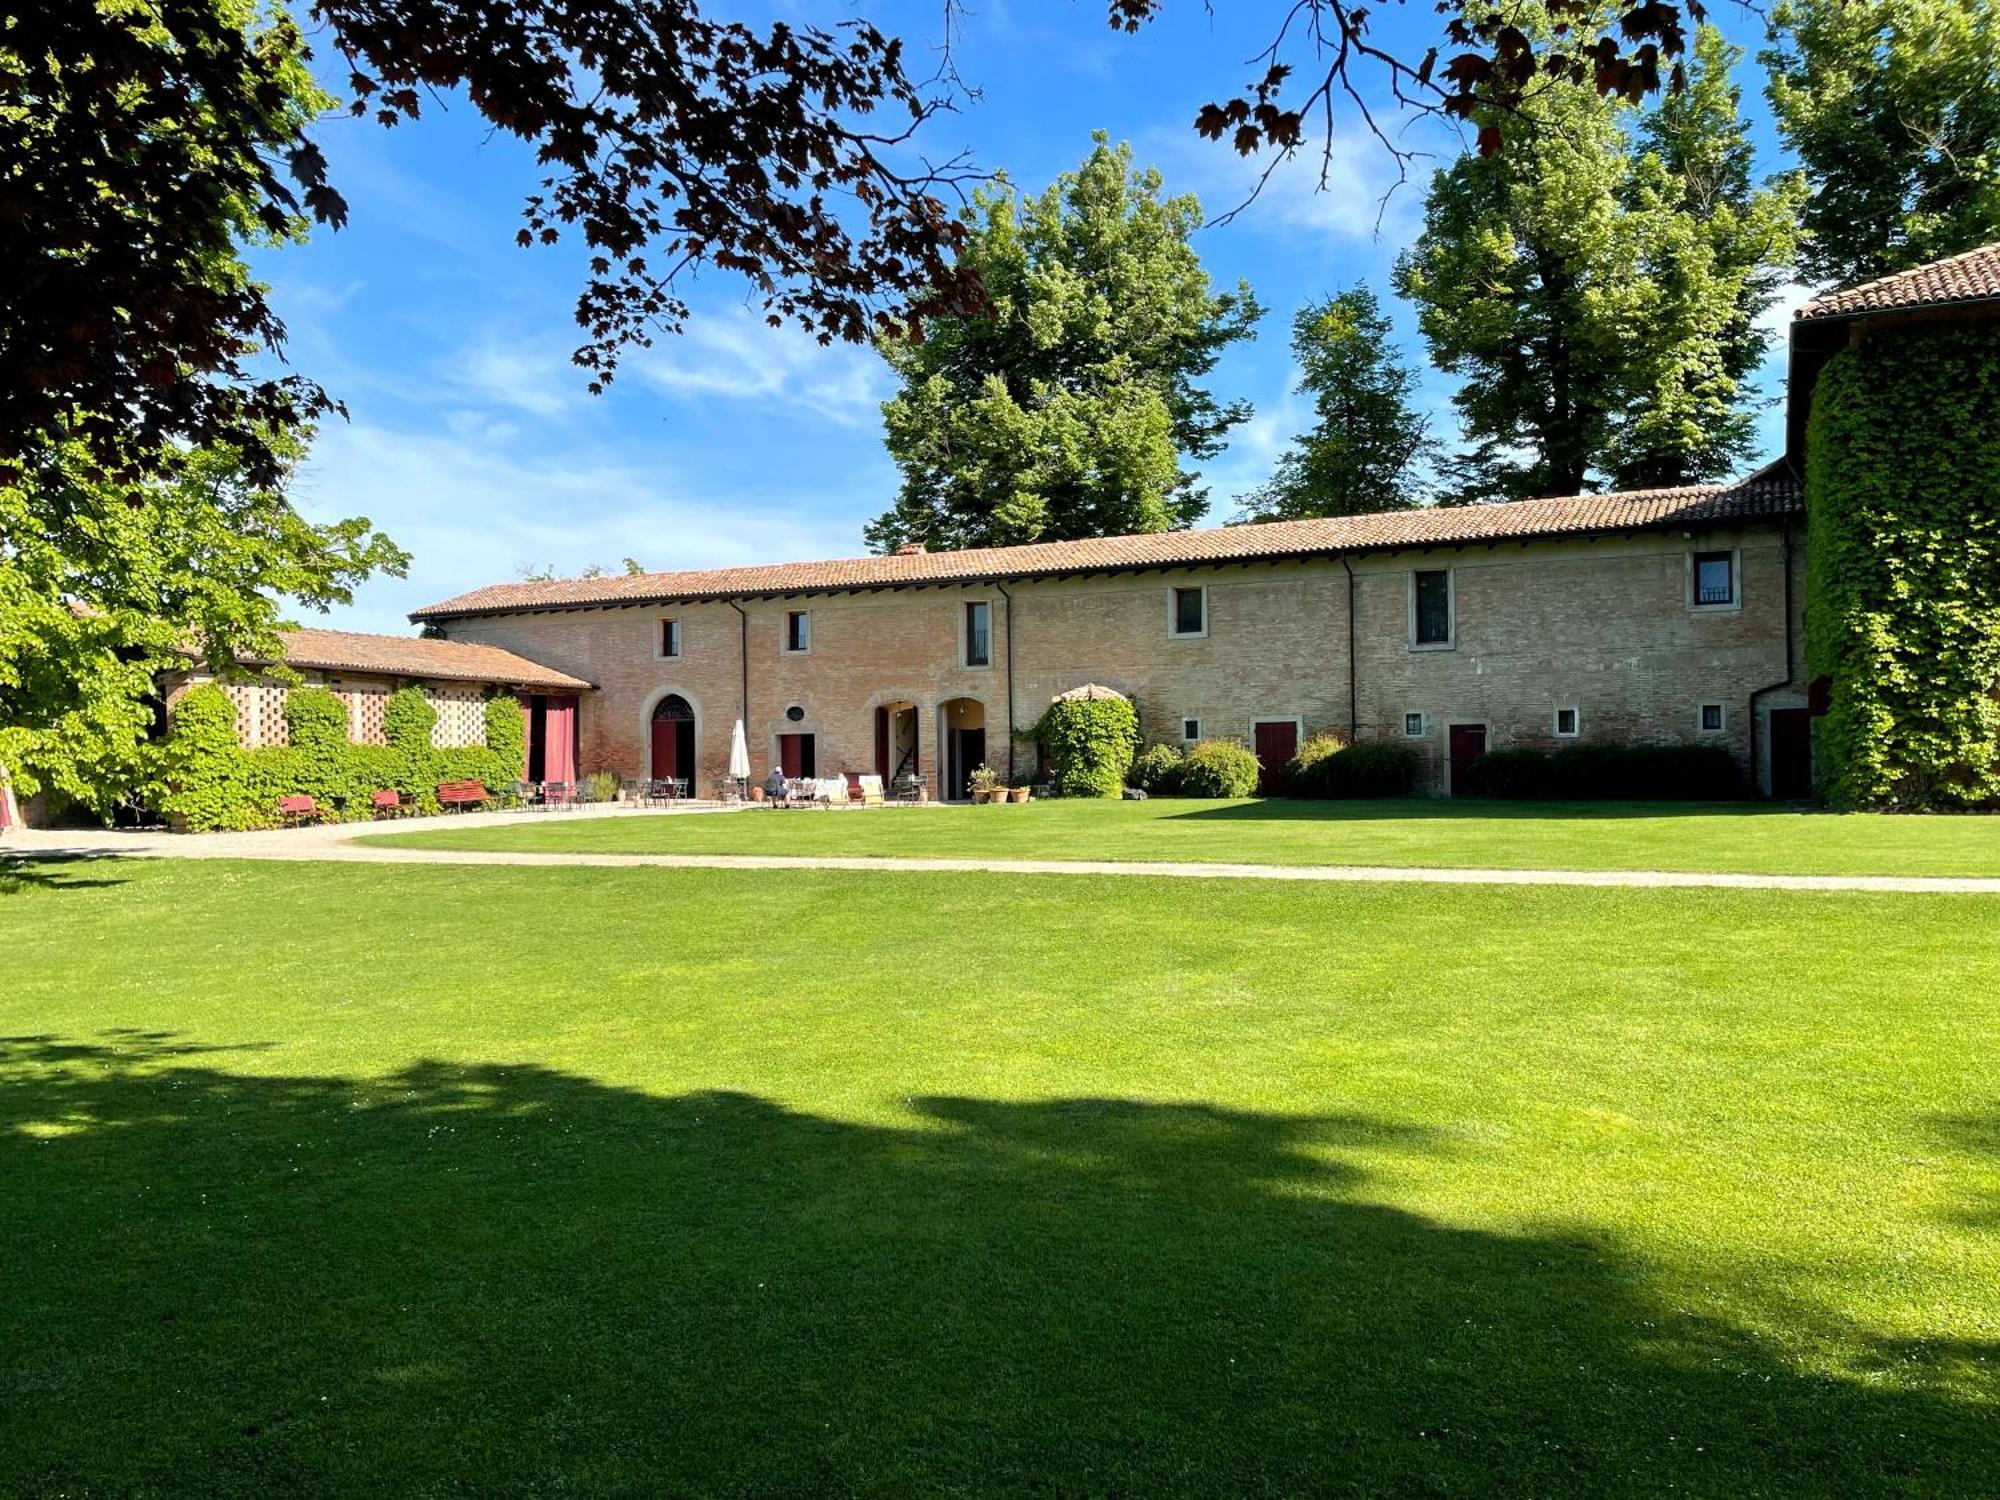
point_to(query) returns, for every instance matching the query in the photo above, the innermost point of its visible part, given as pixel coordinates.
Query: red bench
(387, 804)
(298, 809)
(461, 794)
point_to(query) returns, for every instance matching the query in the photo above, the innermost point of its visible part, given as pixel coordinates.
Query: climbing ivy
(1903, 592)
(507, 736)
(1090, 744)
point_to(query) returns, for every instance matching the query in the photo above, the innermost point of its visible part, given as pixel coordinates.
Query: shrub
(408, 721)
(209, 781)
(1696, 773)
(1219, 768)
(1089, 743)
(322, 759)
(507, 737)
(1157, 771)
(1510, 773)
(1369, 769)
(472, 763)
(1305, 772)
(374, 768)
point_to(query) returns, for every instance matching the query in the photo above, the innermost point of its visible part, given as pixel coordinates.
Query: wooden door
(666, 749)
(795, 755)
(1468, 743)
(1791, 754)
(1276, 741)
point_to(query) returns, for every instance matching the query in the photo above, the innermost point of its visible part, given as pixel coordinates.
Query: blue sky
(472, 440)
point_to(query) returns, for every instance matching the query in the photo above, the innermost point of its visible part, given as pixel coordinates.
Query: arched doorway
(963, 739)
(673, 739)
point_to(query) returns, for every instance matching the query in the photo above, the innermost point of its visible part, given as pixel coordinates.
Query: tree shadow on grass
(505, 1279)
(1449, 809)
(46, 873)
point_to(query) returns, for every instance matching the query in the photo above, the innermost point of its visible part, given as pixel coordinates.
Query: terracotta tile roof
(412, 656)
(1635, 510)
(1971, 277)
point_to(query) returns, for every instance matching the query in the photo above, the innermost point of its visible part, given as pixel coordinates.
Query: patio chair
(557, 795)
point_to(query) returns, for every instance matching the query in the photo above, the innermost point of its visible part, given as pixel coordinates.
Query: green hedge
(1090, 743)
(1368, 769)
(1626, 773)
(1903, 584)
(1219, 768)
(1157, 771)
(208, 781)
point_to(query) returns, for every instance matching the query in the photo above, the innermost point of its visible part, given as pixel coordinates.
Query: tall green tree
(1596, 283)
(1071, 405)
(1368, 445)
(1893, 108)
(104, 584)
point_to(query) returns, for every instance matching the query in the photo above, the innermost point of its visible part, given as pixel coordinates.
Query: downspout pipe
(1008, 613)
(743, 652)
(1353, 688)
(1785, 533)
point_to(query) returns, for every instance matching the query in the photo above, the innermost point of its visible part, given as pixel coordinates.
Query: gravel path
(338, 843)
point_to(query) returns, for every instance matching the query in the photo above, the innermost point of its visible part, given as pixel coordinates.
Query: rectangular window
(978, 634)
(1568, 721)
(1431, 607)
(1190, 611)
(1190, 730)
(1413, 725)
(1714, 578)
(670, 638)
(1711, 718)
(798, 630)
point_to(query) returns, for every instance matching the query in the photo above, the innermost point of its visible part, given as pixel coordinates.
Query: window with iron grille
(1714, 578)
(978, 634)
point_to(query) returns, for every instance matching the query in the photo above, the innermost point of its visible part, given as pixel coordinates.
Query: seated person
(774, 785)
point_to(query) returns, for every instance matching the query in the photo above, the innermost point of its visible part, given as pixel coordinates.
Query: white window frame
(1174, 591)
(1423, 724)
(1556, 722)
(965, 635)
(1735, 604)
(1190, 739)
(1721, 718)
(1450, 642)
(660, 652)
(785, 645)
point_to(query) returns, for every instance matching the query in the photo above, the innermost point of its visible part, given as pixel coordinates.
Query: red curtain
(559, 741)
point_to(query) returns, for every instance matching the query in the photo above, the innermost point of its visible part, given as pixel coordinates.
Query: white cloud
(733, 354)
(535, 379)
(1360, 202)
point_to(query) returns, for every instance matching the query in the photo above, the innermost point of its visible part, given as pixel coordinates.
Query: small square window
(978, 634)
(1413, 725)
(1190, 611)
(1568, 720)
(1430, 607)
(798, 630)
(670, 638)
(1711, 718)
(1714, 578)
(1190, 730)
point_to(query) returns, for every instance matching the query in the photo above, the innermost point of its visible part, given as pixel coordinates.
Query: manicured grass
(1742, 838)
(348, 1179)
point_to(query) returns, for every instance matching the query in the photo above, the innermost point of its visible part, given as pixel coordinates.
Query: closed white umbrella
(739, 754)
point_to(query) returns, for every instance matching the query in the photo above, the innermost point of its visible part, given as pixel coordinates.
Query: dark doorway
(797, 755)
(966, 749)
(673, 739)
(537, 730)
(1276, 741)
(1468, 743)
(1791, 754)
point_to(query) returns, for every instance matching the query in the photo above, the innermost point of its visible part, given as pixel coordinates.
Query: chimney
(910, 549)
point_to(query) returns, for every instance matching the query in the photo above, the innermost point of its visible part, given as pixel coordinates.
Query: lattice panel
(260, 713)
(364, 714)
(461, 716)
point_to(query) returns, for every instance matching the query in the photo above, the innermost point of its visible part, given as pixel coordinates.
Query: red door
(1276, 742)
(795, 755)
(1468, 743)
(666, 749)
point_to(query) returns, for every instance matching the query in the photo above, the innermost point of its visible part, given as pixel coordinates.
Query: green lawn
(1748, 838)
(348, 1179)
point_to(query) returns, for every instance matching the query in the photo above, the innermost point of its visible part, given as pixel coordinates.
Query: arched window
(673, 706)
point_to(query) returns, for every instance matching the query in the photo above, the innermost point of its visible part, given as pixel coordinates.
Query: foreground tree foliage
(1368, 446)
(102, 586)
(1067, 408)
(1893, 107)
(1598, 292)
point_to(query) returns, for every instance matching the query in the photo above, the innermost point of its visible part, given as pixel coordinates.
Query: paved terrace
(339, 842)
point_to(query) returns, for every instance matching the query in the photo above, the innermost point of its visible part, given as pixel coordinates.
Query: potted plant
(985, 781)
(1017, 794)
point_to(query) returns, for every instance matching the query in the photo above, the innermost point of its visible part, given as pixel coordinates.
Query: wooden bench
(294, 810)
(461, 794)
(387, 804)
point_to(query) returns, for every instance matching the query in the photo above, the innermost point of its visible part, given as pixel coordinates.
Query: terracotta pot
(1017, 794)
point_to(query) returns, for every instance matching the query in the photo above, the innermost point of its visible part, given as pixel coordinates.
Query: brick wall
(1604, 627)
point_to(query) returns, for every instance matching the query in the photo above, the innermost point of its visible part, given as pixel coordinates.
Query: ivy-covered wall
(1903, 591)
(208, 780)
